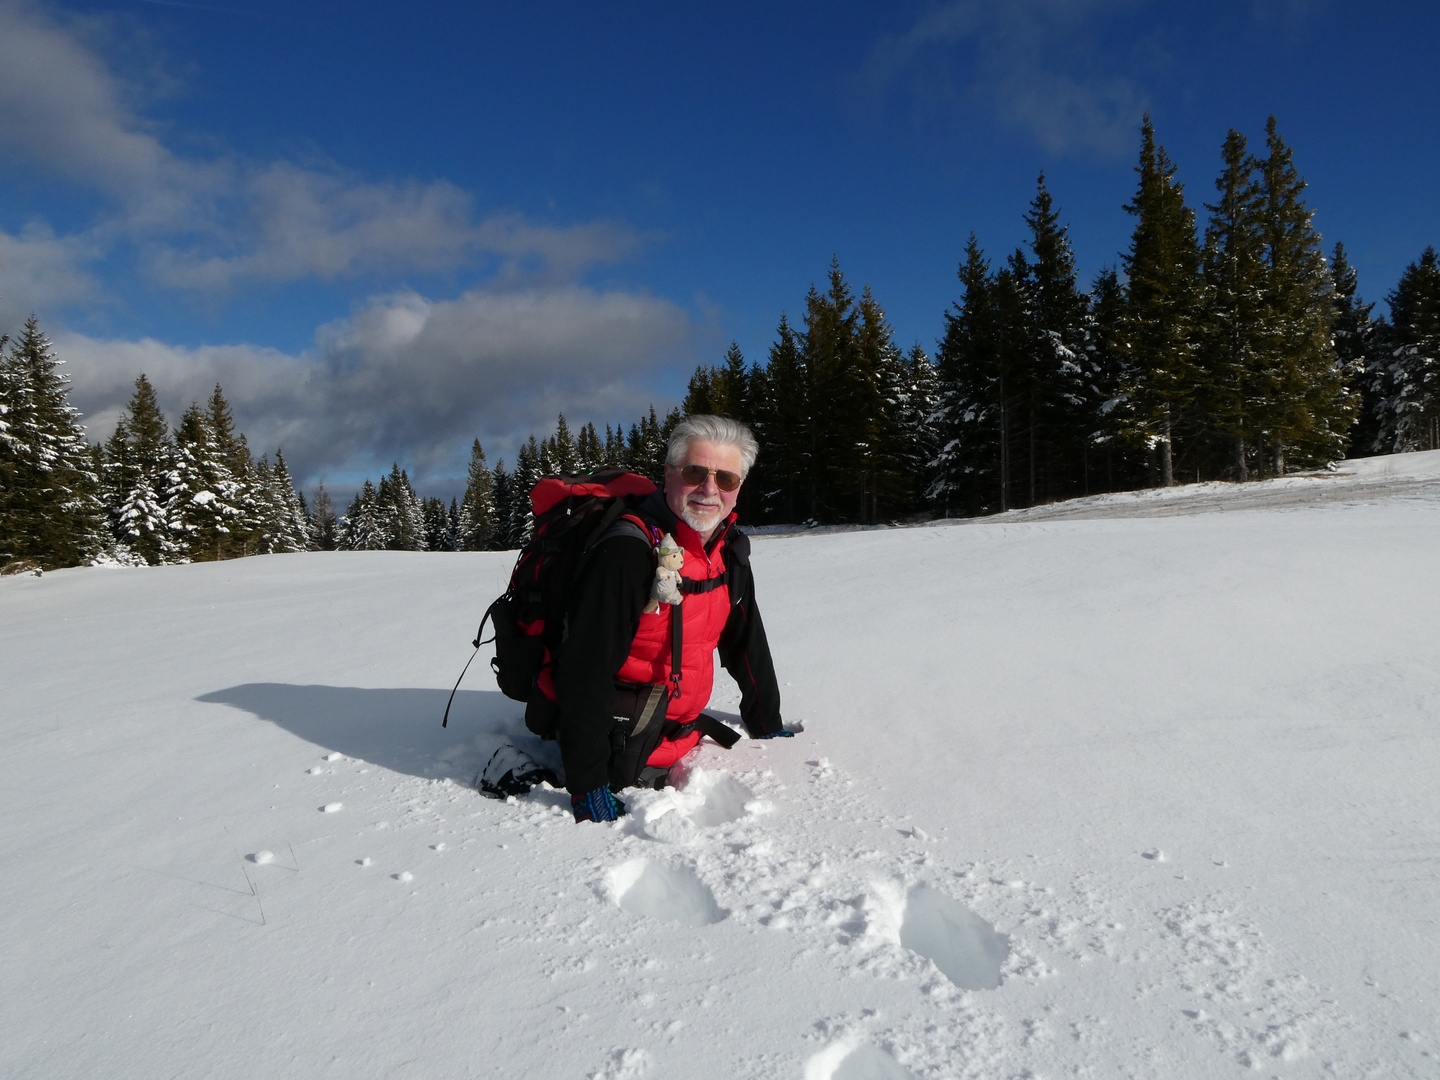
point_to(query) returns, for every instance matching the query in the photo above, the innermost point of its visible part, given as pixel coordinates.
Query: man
(615, 653)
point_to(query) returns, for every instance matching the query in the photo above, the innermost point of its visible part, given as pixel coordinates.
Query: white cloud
(210, 225)
(409, 379)
(39, 271)
(300, 223)
(1027, 63)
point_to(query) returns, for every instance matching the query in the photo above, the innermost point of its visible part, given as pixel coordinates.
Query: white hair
(716, 429)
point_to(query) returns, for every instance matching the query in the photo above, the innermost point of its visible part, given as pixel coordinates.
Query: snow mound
(656, 890)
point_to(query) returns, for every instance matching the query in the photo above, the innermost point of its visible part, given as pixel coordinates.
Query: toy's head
(671, 554)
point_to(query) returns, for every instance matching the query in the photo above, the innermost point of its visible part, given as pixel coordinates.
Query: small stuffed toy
(666, 589)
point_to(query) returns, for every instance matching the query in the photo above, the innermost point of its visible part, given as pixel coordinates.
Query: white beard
(702, 524)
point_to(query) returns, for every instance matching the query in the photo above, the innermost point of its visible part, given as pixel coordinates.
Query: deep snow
(1142, 785)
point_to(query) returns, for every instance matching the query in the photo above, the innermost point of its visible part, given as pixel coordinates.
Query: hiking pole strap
(445, 720)
(677, 641)
(723, 734)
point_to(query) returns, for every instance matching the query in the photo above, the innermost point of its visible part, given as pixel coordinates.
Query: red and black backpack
(572, 515)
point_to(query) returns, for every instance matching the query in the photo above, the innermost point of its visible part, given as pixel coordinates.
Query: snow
(1143, 785)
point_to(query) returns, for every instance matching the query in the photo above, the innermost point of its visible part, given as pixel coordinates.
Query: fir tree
(437, 525)
(362, 528)
(919, 398)
(589, 451)
(477, 516)
(1414, 366)
(1158, 330)
(504, 488)
(50, 511)
(140, 465)
(781, 414)
(562, 451)
(1062, 396)
(324, 524)
(246, 492)
(527, 475)
(1305, 409)
(970, 469)
(1235, 336)
(203, 504)
(1358, 349)
(401, 516)
(1121, 430)
(885, 470)
(291, 530)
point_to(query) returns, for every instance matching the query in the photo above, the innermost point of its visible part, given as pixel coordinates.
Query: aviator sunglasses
(695, 475)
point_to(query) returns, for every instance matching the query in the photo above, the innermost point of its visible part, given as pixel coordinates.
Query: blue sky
(388, 229)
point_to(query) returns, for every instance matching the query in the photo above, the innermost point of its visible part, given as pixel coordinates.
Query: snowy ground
(1143, 790)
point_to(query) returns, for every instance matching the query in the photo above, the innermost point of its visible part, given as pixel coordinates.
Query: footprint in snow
(966, 948)
(656, 890)
(846, 1061)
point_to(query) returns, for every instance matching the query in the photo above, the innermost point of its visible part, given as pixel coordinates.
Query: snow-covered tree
(140, 464)
(477, 524)
(1414, 364)
(50, 510)
(362, 527)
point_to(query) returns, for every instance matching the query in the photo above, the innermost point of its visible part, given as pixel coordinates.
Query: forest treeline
(1234, 351)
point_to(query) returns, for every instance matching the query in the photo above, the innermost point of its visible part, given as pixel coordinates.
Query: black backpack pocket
(518, 656)
(640, 723)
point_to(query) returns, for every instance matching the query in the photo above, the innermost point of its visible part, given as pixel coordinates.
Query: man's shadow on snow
(394, 729)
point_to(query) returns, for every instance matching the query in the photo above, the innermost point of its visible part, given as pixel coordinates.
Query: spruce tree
(969, 471)
(246, 492)
(1414, 365)
(437, 525)
(203, 504)
(140, 463)
(885, 472)
(401, 516)
(589, 451)
(1159, 330)
(362, 527)
(563, 461)
(781, 413)
(1305, 410)
(292, 531)
(504, 488)
(324, 524)
(699, 393)
(1121, 428)
(477, 512)
(50, 510)
(527, 475)
(1235, 336)
(1357, 338)
(1062, 395)
(919, 398)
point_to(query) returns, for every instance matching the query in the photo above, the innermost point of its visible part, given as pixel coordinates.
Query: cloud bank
(409, 379)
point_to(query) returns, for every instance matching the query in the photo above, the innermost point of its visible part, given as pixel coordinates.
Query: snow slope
(1112, 795)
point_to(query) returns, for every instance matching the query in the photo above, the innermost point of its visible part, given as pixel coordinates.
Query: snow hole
(653, 890)
(965, 947)
(722, 798)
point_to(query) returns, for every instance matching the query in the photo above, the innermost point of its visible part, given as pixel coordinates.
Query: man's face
(703, 506)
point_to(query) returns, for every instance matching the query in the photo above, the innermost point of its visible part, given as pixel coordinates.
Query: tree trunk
(1242, 471)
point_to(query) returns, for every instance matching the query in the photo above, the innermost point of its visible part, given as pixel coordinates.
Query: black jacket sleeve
(744, 650)
(607, 601)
